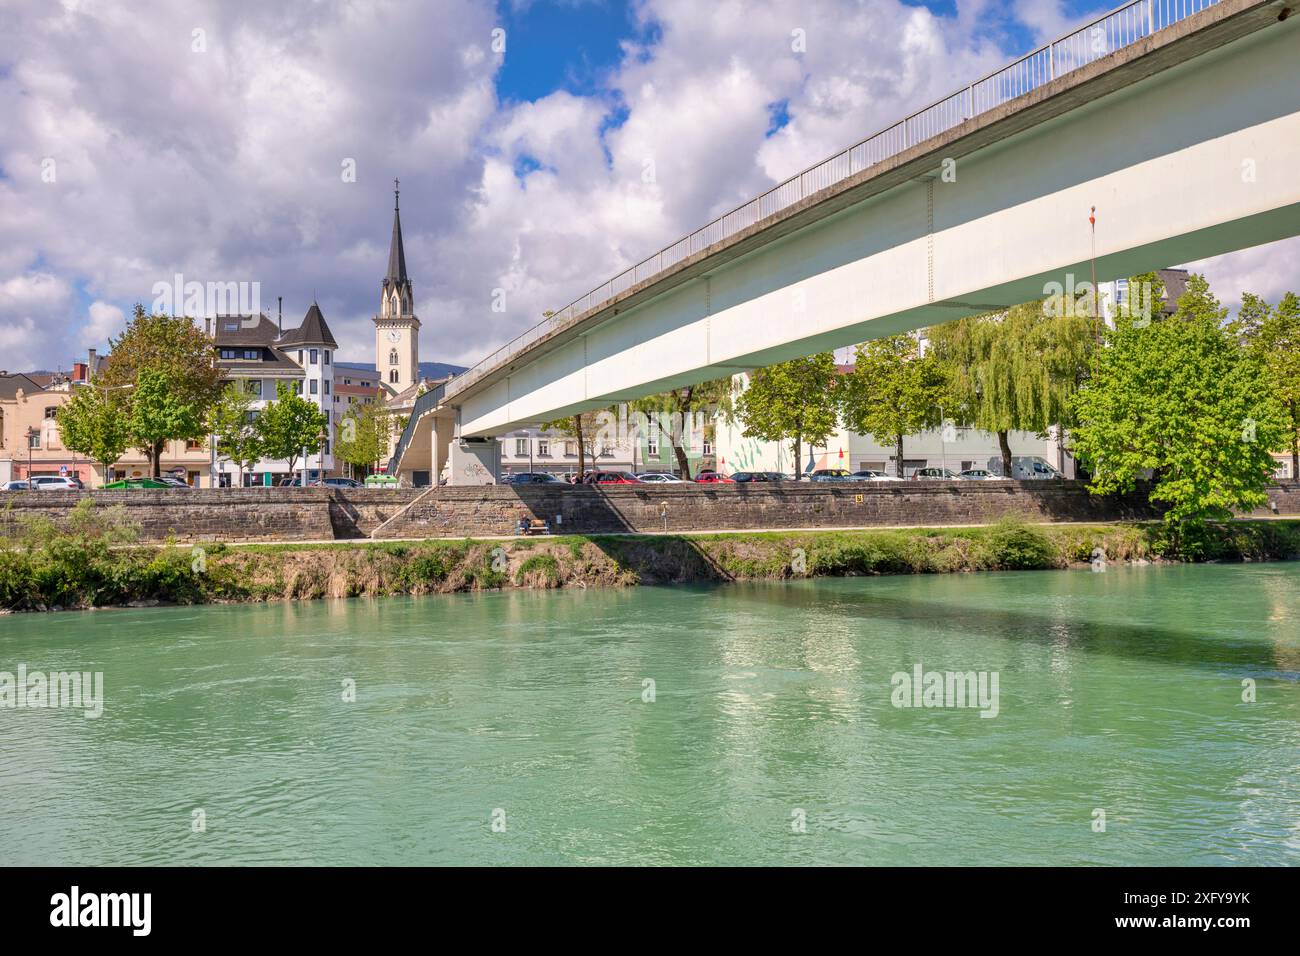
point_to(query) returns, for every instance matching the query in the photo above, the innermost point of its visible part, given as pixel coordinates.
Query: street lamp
(32, 434)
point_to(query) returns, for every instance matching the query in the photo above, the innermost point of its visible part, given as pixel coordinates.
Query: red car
(714, 478)
(616, 478)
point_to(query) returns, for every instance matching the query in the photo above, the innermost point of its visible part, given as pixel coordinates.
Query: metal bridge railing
(1113, 31)
(423, 405)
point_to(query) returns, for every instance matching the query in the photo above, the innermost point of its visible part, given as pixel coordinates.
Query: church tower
(397, 330)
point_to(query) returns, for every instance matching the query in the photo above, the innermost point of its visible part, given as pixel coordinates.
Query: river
(751, 724)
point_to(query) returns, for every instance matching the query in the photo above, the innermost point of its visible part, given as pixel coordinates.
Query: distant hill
(427, 369)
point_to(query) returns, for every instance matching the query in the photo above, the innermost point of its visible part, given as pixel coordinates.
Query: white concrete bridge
(1179, 120)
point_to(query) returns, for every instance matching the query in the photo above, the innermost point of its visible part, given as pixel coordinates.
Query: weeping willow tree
(1016, 370)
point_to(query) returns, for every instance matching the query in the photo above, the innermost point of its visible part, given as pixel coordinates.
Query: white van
(1026, 468)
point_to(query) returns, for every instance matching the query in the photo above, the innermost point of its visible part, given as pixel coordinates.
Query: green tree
(584, 430)
(1181, 398)
(1016, 370)
(893, 391)
(235, 432)
(158, 412)
(681, 404)
(173, 347)
(795, 401)
(289, 425)
(363, 435)
(92, 424)
(1273, 336)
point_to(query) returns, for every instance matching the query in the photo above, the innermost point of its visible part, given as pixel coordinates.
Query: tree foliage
(795, 401)
(363, 434)
(681, 404)
(236, 434)
(92, 424)
(1272, 334)
(174, 348)
(893, 391)
(1015, 370)
(289, 425)
(157, 412)
(1180, 399)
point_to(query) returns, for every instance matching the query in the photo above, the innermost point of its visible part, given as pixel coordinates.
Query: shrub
(1016, 546)
(539, 570)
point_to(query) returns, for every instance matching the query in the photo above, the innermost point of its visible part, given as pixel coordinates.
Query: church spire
(396, 253)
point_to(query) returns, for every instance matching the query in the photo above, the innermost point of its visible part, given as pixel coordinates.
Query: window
(231, 326)
(252, 355)
(255, 386)
(327, 386)
(300, 356)
(228, 353)
(544, 447)
(327, 356)
(34, 440)
(392, 375)
(314, 386)
(251, 416)
(314, 356)
(51, 411)
(708, 447)
(521, 447)
(392, 356)
(652, 447)
(571, 449)
(297, 386)
(193, 444)
(327, 446)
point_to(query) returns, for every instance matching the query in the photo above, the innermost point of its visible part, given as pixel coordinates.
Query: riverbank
(94, 568)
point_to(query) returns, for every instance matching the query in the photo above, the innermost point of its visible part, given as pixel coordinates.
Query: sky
(249, 142)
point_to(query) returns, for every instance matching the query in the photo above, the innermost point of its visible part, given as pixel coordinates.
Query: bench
(533, 526)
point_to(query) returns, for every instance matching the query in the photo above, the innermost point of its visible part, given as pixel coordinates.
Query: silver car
(55, 483)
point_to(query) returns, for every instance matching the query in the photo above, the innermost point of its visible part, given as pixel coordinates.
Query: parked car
(978, 474)
(616, 478)
(55, 483)
(171, 482)
(713, 478)
(661, 478)
(868, 475)
(1037, 470)
(135, 483)
(16, 485)
(934, 474)
(745, 477)
(337, 483)
(533, 478)
(831, 474)
(289, 483)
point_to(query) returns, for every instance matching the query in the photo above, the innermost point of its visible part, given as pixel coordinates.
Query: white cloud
(225, 165)
(106, 320)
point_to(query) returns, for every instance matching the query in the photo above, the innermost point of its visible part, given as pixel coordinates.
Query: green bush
(1015, 546)
(543, 568)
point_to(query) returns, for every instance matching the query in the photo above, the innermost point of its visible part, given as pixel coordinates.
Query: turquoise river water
(752, 724)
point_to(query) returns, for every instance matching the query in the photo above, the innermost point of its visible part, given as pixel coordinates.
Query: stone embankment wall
(310, 514)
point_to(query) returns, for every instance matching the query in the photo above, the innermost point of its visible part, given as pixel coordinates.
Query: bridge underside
(1200, 159)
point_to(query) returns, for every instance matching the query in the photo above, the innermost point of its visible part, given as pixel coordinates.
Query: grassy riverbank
(93, 562)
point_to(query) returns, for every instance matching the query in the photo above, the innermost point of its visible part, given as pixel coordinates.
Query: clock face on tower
(394, 335)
